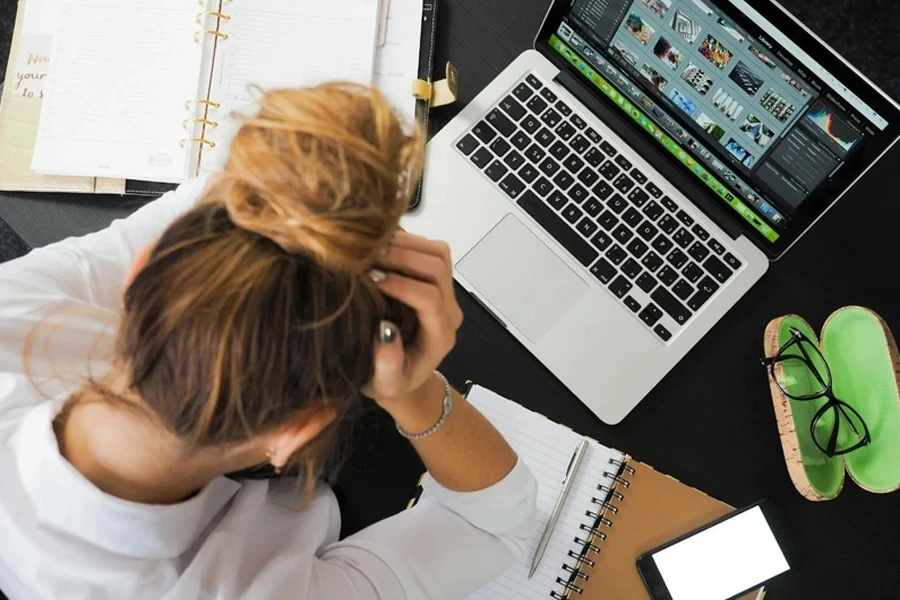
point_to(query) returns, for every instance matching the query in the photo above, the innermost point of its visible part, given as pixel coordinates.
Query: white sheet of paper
(40, 19)
(397, 61)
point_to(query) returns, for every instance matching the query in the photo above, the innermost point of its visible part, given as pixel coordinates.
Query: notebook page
(397, 61)
(546, 448)
(287, 44)
(114, 104)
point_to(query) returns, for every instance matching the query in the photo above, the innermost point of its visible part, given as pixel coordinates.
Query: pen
(574, 464)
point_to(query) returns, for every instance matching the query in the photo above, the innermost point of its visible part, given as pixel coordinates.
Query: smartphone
(723, 560)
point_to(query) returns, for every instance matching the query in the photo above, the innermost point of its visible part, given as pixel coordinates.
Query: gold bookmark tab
(439, 93)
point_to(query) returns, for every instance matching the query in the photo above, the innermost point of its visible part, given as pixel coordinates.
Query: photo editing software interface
(758, 127)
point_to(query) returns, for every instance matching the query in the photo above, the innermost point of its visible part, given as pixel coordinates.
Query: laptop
(619, 187)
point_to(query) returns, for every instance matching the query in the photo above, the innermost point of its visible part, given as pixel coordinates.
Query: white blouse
(61, 537)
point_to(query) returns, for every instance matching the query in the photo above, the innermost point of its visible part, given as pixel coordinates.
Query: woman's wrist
(419, 409)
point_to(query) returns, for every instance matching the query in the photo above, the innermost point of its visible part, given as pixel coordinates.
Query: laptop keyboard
(611, 217)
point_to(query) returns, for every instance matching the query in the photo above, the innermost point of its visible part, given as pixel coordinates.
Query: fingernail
(377, 275)
(388, 332)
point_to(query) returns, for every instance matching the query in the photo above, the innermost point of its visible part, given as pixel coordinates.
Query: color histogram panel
(839, 132)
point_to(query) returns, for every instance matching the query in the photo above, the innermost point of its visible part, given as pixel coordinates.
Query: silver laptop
(617, 189)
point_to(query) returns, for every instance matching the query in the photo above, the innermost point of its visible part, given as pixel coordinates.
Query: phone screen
(724, 560)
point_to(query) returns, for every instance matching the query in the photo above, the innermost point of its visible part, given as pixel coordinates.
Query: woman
(256, 307)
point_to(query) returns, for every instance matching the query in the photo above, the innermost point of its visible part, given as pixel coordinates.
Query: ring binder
(611, 492)
(209, 103)
(576, 572)
(217, 15)
(203, 141)
(212, 124)
(219, 34)
(610, 507)
(621, 465)
(617, 478)
(581, 559)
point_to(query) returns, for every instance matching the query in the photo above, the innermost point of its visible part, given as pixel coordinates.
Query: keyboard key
(482, 158)
(668, 224)
(549, 167)
(573, 163)
(631, 268)
(716, 246)
(593, 135)
(512, 107)
(496, 170)
(603, 271)
(620, 286)
(651, 314)
(530, 124)
(662, 332)
(669, 203)
(608, 220)
(639, 177)
(647, 231)
(610, 170)
(637, 248)
(550, 96)
(523, 92)
(594, 157)
(692, 273)
(528, 173)
(653, 190)
(586, 227)
(501, 123)
(717, 269)
(565, 130)
(572, 213)
(623, 234)
(603, 190)
(646, 282)
(732, 261)
(545, 137)
(623, 162)
(543, 187)
(705, 290)
(593, 207)
(617, 204)
(632, 304)
(616, 255)
(557, 200)
(601, 240)
(623, 183)
(685, 218)
(632, 216)
(671, 305)
(682, 289)
(558, 229)
(578, 193)
(563, 108)
(677, 258)
(608, 149)
(551, 118)
(638, 197)
(579, 143)
(536, 105)
(534, 82)
(683, 238)
(520, 140)
(468, 144)
(700, 232)
(662, 244)
(588, 176)
(484, 132)
(500, 147)
(559, 150)
(698, 251)
(535, 153)
(514, 160)
(667, 275)
(653, 211)
(512, 185)
(578, 122)
(563, 180)
(652, 262)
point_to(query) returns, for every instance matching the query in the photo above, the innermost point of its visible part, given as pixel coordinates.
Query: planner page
(547, 449)
(397, 61)
(115, 99)
(276, 44)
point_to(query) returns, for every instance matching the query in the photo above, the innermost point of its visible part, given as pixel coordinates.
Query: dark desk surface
(710, 423)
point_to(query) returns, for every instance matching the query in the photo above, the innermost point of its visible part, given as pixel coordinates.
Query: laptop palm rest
(528, 284)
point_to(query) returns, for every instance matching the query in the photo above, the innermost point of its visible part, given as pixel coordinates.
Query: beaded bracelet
(448, 406)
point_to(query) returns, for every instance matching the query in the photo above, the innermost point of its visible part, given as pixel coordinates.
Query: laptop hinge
(647, 150)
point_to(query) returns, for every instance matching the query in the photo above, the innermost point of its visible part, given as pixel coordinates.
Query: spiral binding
(190, 105)
(600, 519)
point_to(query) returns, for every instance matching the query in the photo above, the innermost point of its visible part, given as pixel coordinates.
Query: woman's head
(254, 310)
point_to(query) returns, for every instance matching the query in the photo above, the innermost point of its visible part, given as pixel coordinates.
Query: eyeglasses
(836, 428)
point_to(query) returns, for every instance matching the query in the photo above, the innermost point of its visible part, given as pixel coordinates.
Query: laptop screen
(748, 114)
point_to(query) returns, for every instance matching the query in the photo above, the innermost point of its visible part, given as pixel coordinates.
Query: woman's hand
(421, 276)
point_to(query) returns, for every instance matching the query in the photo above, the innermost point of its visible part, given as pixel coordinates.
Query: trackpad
(530, 286)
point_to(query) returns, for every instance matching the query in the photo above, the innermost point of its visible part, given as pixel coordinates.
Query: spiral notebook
(617, 510)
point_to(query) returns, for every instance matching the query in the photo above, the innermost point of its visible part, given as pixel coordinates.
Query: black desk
(710, 422)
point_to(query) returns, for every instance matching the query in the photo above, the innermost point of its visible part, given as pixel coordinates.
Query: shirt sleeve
(447, 546)
(75, 286)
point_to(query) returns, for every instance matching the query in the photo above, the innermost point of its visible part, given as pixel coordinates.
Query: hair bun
(326, 171)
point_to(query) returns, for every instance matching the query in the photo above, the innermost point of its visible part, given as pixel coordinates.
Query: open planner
(618, 508)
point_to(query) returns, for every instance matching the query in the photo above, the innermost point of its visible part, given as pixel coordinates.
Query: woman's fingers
(421, 265)
(437, 325)
(409, 241)
(390, 377)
